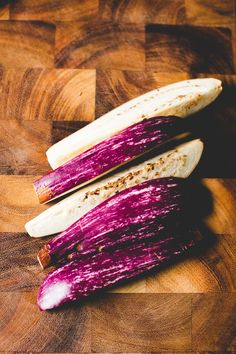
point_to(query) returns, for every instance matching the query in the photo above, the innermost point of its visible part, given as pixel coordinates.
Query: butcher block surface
(62, 65)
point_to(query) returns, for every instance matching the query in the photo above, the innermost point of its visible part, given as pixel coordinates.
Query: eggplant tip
(44, 258)
(51, 296)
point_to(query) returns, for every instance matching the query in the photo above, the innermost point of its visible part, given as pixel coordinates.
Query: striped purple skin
(83, 277)
(107, 155)
(137, 213)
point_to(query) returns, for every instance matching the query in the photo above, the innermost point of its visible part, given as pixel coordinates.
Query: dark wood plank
(221, 218)
(141, 323)
(19, 268)
(213, 322)
(210, 12)
(234, 46)
(211, 267)
(143, 11)
(99, 44)
(61, 130)
(216, 125)
(114, 87)
(24, 328)
(23, 145)
(54, 10)
(4, 10)
(47, 94)
(191, 49)
(32, 41)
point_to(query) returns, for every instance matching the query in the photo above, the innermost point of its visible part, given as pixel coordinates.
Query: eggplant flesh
(178, 162)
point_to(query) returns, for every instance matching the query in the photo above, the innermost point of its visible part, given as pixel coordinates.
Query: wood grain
(4, 10)
(213, 322)
(47, 94)
(54, 10)
(24, 328)
(115, 87)
(210, 12)
(32, 41)
(190, 49)
(234, 47)
(141, 323)
(143, 11)
(18, 201)
(135, 286)
(23, 145)
(20, 270)
(221, 220)
(61, 129)
(98, 44)
(112, 51)
(210, 268)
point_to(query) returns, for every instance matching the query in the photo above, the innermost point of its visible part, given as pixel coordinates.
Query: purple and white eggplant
(178, 162)
(180, 99)
(135, 214)
(82, 277)
(106, 156)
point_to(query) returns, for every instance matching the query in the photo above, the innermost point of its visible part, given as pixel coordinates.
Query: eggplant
(84, 276)
(180, 99)
(106, 156)
(125, 217)
(179, 162)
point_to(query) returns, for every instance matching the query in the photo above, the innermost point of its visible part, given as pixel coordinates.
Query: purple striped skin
(107, 155)
(137, 213)
(83, 277)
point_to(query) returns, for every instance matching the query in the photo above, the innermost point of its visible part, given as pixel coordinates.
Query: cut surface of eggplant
(178, 162)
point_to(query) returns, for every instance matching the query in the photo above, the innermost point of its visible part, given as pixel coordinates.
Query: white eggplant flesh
(179, 162)
(179, 99)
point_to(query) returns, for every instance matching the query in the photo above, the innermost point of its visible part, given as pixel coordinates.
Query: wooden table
(62, 64)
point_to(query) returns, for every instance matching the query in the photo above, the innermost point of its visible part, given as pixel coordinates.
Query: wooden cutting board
(64, 63)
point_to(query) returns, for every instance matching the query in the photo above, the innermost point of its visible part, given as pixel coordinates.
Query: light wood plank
(189, 49)
(19, 202)
(55, 94)
(211, 267)
(141, 323)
